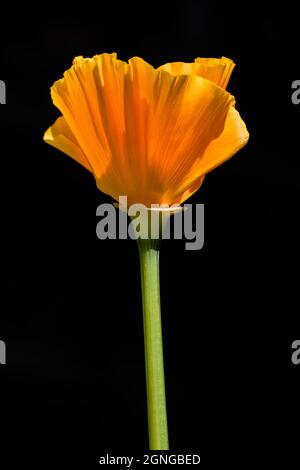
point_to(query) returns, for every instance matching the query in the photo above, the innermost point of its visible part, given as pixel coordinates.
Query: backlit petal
(60, 136)
(169, 121)
(232, 139)
(190, 112)
(77, 96)
(216, 70)
(191, 190)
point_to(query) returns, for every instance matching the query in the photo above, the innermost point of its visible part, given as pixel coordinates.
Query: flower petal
(162, 124)
(234, 136)
(217, 71)
(77, 97)
(188, 114)
(232, 139)
(191, 190)
(60, 136)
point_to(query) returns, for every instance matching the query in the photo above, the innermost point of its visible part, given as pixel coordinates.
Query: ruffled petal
(234, 136)
(228, 143)
(60, 136)
(78, 97)
(188, 113)
(217, 71)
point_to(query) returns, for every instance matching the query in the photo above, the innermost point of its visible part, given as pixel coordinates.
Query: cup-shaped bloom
(150, 134)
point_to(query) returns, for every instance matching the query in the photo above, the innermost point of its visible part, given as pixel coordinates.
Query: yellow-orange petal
(77, 96)
(191, 190)
(190, 112)
(60, 136)
(216, 70)
(169, 121)
(234, 136)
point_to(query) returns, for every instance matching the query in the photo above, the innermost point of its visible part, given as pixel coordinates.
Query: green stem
(155, 380)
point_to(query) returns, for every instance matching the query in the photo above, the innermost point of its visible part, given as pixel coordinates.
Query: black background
(71, 307)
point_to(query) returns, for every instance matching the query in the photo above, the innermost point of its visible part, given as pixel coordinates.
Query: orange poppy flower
(151, 134)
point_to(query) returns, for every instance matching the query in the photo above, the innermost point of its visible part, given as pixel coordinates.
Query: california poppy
(152, 135)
